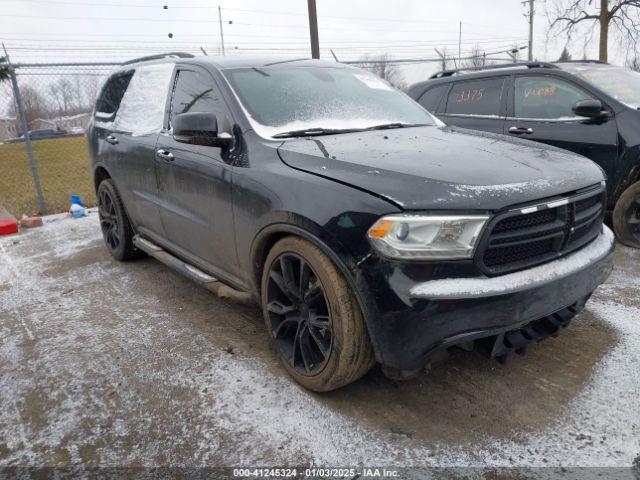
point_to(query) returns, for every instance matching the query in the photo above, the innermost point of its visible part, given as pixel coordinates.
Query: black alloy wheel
(108, 220)
(632, 219)
(626, 216)
(298, 314)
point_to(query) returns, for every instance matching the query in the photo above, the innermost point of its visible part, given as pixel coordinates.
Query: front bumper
(437, 314)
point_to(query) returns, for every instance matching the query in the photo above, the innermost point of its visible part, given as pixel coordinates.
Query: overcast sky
(97, 30)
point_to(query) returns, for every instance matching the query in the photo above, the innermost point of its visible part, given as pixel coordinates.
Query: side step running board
(188, 270)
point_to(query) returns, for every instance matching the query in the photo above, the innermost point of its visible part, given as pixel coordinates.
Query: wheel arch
(100, 173)
(269, 235)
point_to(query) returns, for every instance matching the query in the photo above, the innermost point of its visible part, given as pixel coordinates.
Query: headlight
(417, 237)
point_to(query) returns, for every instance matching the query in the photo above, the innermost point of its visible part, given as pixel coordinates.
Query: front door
(195, 181)
(542, 111)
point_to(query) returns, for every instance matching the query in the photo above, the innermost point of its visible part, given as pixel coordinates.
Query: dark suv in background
(365, 228)
(588, 107)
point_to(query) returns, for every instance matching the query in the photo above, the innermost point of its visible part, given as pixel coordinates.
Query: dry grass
(63, 164)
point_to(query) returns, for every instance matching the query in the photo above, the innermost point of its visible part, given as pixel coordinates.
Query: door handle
(166, 155)
(520, 130)
(111, 139)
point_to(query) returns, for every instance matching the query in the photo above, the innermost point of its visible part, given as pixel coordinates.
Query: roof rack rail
(449, 73)
(289, 60)
(148, 58)
(583, 61)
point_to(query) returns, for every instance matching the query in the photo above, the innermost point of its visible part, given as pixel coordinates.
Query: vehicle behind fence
(41, 168)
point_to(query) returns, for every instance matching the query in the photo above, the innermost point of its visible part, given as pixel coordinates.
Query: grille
(524, 221)
(516, 240)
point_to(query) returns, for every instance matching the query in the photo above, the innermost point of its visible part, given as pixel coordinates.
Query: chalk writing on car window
(470, 95)
(546, 91)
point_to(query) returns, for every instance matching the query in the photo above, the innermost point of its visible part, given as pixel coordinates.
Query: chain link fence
(44, 113)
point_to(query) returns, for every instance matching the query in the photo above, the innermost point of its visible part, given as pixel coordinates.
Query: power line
(261, 46)
(359, 18)
(132, 19)
(467, 40)
(124, 19)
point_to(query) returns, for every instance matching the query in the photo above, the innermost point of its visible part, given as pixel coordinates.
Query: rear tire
(114, 222)
(313, 317)
(626, 216)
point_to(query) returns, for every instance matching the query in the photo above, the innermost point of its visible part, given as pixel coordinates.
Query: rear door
(541, 110)
(478, 104)
(195, 181)
(129, 139)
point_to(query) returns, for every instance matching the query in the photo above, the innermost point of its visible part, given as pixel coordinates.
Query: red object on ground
(30, 222)
(8, 223)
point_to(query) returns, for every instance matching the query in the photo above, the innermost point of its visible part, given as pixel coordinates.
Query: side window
(432, 97)
(476, 97)
(111, 95)
(195, 91)
(143, 104)
(545, 97)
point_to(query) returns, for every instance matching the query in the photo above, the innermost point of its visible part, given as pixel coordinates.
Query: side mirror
(589, 109)
(199, 129)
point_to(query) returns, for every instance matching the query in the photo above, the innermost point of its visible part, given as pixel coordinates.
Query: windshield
(285, 98)
(620, 83)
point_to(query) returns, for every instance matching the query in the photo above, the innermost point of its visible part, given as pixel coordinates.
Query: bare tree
(62, 93)
(634, 63)
(91, 88)
(624, 15)
(565, 55)
(4, 69)
(477, 59)
(33, 104)
(382, 67)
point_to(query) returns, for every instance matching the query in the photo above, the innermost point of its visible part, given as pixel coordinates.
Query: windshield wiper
(386, 126)
(312, 132)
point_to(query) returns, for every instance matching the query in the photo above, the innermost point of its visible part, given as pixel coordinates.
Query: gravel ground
(129, 364)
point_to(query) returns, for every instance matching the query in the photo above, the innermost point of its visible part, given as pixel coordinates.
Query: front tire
(114, 223)
(313, 317)
(626, 216)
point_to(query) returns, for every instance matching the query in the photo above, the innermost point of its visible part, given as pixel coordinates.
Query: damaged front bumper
(516, 308)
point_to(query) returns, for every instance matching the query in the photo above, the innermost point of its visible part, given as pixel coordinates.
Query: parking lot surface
(112, 364)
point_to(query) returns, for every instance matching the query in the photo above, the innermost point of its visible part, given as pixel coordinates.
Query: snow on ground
(128, 363)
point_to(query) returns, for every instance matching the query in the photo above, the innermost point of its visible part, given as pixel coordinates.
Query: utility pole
(313, 29)
(459, 43)
(221, 32)
(443, 58)
(530, 17)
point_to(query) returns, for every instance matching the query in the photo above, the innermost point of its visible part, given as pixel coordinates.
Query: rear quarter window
(109, 101)
(432, 98)
(476, 97)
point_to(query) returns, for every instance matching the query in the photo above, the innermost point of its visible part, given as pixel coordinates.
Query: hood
(442, 167)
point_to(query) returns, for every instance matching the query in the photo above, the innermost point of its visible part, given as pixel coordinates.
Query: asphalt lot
(112, 364)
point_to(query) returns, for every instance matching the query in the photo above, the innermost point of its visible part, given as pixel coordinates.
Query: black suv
(588, 107)
(366, 229)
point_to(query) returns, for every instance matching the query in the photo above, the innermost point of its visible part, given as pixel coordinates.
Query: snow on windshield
(622, 84)
(283, 98)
